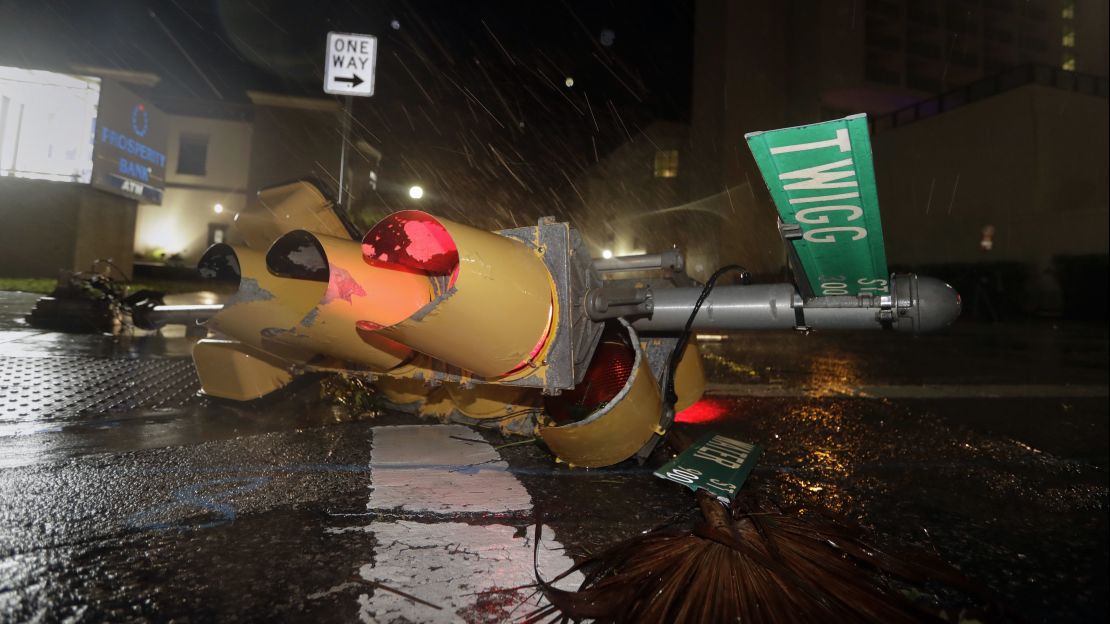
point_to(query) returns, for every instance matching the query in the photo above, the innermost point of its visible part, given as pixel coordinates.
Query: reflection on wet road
(136, 499)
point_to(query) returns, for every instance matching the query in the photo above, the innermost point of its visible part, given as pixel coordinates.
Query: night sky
(634, 53)
(472, 95)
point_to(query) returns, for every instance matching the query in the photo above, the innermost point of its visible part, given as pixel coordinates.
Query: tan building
(1016, 177)
(994, 170)
(215, 155)
(220, 155)
(208, 163)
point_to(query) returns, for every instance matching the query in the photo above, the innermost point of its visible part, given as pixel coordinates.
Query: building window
(217, 233)
(1069, 61)
(1067, 41)
(666, 164)
(192, 154)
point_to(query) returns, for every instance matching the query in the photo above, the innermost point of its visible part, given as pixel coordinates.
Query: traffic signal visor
(347, 292)
(279, 209)
(613, 412)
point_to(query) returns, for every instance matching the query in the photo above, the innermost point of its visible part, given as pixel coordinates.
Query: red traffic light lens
(606, 376)
(414, 241)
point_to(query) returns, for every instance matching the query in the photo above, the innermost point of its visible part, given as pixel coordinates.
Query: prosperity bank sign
(129, 147)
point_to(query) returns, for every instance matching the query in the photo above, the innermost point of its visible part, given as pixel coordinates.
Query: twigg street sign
(822, 180)
(349, 64)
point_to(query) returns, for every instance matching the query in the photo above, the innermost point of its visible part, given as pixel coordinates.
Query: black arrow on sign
(354, 80)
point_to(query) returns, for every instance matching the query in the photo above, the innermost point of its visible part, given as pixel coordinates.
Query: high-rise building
(761, 66)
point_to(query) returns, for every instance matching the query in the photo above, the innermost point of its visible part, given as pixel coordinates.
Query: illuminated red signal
(415, 241)
(492, 309)
(704, 411)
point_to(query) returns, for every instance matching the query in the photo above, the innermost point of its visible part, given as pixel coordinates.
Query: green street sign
(822, 180)
(714, 463)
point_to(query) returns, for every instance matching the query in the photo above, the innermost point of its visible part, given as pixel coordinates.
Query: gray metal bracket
(791, 232)
(576, 335)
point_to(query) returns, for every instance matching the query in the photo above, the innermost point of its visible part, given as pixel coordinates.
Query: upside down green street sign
(714, 463)
(822, 179)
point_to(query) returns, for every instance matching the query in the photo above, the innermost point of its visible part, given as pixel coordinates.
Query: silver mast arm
(915, 304)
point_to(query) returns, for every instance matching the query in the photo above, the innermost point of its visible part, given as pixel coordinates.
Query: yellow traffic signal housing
(494, 302)
(689, 377)
(346, 292)
(288, 317)
(260, 301)
(620, 407)
(232, 370)
(447, 319)
(276, 210)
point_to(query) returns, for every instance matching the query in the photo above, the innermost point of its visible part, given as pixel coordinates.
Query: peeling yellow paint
(499, 313)
(491, 401)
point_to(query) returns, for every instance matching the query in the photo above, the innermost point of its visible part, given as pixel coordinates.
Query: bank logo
(140, 120)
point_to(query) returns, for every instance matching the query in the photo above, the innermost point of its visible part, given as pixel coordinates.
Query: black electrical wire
(112, 265)
(672, 363)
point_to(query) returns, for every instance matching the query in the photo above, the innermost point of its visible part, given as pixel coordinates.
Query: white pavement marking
(467, 571)
(428, 468)
(9, 336)
(462, 569)
(908, 391)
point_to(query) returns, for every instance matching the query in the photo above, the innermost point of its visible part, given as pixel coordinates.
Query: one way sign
(349, 64)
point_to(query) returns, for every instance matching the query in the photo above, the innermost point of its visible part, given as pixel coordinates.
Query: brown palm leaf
(753, 563)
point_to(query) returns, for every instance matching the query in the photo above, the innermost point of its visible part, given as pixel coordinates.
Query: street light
(416, 191)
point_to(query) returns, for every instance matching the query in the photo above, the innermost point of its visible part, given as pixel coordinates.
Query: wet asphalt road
(127, 497)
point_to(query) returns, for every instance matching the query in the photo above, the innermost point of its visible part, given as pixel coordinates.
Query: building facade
(989, 135)
(73, 192)
(208, 163)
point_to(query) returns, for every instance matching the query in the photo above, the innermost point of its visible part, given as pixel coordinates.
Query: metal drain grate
(51, 388)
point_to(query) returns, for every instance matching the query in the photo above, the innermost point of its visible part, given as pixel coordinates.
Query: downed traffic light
(450, 320)
(453, 320)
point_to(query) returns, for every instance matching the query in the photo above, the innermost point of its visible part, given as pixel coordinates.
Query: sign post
(349, 65)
